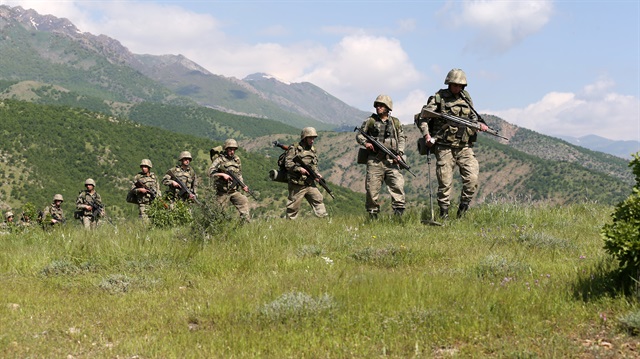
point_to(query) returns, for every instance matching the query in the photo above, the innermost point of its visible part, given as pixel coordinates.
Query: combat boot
(373, 215)
(398, 212)
(462, 209)
(444, 213)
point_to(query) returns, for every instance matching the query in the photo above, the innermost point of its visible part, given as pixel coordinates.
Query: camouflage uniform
(8, 225)
(54, 212)
(148, 180)
(86, 198)
(381, 168)
(302, 186)
(453, 144)
(187, 175)
(225, 192)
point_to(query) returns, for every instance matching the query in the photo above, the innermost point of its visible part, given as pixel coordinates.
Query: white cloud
(596, 110)
(498, 25)
(361, 67)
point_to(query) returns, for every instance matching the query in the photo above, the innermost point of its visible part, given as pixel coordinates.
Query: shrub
(622, 236)
(164, 214)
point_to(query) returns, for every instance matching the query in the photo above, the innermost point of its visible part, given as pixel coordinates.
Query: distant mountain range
(623, 149)
(48, 62)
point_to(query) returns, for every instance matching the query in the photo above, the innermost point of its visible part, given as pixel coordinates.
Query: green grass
(509, 280)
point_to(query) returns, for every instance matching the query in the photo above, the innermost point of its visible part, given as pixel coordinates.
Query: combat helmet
(58, 197)
(230, 143)
(456, 76)
(8, 214)
(185, 154)
(146, 162)
(385, 100)
(308, 132)
(90, 181)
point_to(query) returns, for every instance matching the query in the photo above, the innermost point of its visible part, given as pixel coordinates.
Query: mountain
(53, 51)
(623, 149)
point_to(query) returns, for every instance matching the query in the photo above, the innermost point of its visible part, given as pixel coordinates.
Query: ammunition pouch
(363, 155)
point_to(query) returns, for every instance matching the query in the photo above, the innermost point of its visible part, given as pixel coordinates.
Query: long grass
(508, 280)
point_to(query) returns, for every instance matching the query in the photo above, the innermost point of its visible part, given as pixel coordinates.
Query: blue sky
(556, 67)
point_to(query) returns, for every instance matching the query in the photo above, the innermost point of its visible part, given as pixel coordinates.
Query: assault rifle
(96, 210)
(236, 181)
(461, 121)
(152, 192)
(297, 160)
(185, 192)
(389, 152)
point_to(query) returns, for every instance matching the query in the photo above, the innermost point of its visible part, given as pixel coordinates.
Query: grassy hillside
(537, 284)
(50, 149)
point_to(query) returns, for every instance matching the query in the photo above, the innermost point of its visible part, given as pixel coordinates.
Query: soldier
(227, 161)
(89, 205)
(452, 143)
(145, 188)
(52, 214)
(184, 173)
(301, 184)
(8, 225)
(381, 167)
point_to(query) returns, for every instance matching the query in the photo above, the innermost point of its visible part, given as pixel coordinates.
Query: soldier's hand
(369, 146)
(226, 176)
(143, 190)
(304, 171)
(88, 207)
(430, 140)
(245, 188)
(483, 127)
(175, 184)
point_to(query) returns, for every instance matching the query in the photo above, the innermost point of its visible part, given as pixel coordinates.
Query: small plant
(622, 238)
(210, 218)
(631, 322)
(296, 306)
(164, 214)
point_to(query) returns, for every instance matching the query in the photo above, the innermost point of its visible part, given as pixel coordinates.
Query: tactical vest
(452, 134)
(226, 164)
(149, 181)
(386, 132)
(309, 157)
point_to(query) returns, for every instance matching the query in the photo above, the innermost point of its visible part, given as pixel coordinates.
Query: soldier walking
(226, 189)
(382, 168)
(53, 215)
(301, 185)
(452, 143)
(89, 205)
(184, 173)
(145, 188)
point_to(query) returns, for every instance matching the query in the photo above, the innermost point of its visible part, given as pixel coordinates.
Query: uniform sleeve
(423, 123)
(402, 139)
(288, 162)
(214, 166)
(166, 179)
(80, 202)
(360, 138)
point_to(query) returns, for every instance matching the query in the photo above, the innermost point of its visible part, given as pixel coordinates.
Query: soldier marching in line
(301, 183)
(53, 214)
(380, 166)
(145, 189)
(452, 143)
(226, 189)
(89, 205)
(184, 173)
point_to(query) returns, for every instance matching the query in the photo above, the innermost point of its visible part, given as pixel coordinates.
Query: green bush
(622, 236)
(164, 214)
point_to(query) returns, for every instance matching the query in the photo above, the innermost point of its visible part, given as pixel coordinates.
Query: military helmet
(58, 197)
(185, 154)
(146, 162)
(385, 100)
(230, 143)
(308, 132)
(90, 181)
(456, 76)
(8, 214)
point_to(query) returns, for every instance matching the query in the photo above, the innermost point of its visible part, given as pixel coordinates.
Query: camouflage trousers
(446, 160)
(142, 211)
(386, 172)
(299, 192)
(89, 222)
(236, 198)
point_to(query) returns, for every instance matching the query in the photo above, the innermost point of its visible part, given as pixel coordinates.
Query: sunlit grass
(510, 279)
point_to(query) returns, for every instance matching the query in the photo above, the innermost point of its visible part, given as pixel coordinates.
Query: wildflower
(582, 257)
(328, 260)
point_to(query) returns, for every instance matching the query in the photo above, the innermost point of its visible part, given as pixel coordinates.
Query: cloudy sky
(556, 67)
